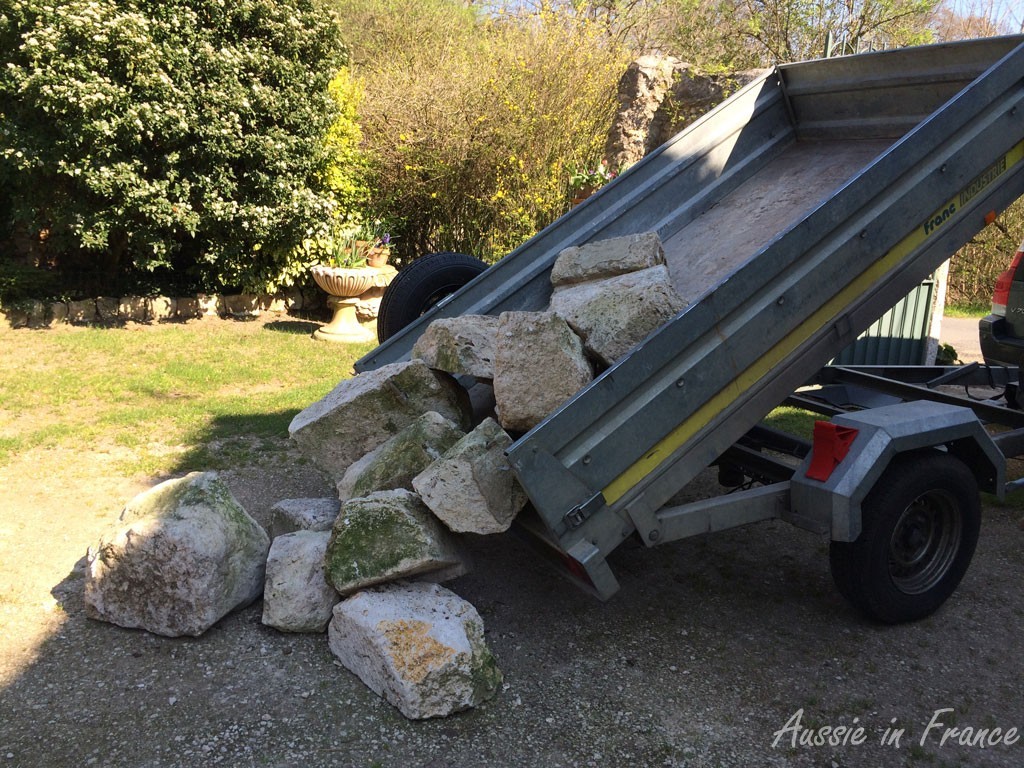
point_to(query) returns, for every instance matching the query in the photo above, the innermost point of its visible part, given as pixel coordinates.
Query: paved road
(962, 334)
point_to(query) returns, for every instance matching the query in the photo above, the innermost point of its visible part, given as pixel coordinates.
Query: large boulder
(365, 411)
(607, 258)
(401, 458)
(184, 554)
(472, 488)
(659, 96)
(539, 364)
(614, 315)
(385, 536)
(419, 646)
(459, 345)
(289, 515)
(296, 595)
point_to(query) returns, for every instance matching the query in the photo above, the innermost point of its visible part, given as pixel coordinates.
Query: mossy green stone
(408, 453)
(384, 536)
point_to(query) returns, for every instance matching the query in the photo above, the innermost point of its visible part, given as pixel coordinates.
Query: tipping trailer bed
(793, 215)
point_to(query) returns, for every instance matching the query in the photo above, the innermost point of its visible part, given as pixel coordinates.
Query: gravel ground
(712, 646)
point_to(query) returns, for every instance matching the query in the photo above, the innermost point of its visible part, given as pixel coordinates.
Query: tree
(145, 134)
(474, 121)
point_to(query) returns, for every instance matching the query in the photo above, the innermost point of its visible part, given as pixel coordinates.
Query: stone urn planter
(344, 286)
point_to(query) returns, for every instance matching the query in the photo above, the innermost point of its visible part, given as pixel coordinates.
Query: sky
(1010, 11)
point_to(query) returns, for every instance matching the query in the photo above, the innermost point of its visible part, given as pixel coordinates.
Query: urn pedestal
(345, 287)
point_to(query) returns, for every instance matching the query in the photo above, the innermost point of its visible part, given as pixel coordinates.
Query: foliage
(473, 122)
(975, 267)
(594, 176)
(180, 133)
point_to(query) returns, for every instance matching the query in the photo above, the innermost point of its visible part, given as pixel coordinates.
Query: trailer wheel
(920, 528)
(420, 286)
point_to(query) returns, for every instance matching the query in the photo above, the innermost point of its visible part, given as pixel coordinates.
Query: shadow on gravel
(711, 647)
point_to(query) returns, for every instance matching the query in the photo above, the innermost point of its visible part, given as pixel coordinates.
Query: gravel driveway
(711, 649)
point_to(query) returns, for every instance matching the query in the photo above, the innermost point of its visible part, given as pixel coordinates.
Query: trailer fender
(879, 434)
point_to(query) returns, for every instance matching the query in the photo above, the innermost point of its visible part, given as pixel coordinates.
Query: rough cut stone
(539, 364)
(82, 311)
(107, 308)
(658, 97)
(273, 303)
(187, 308)
(419, 646)
(642, 89)
(365, 411)
(183, 555)
(161, 308)
(460, 345)
(400, 459)
(132, 308)
(209, 305)
(30, 314)
(385, 536)
(293, 299)
(296, 595)
(242, 305)
(290, 515)
(607, 258)
(58, 312)
(614, 315)
(472, 489)
(16, 317)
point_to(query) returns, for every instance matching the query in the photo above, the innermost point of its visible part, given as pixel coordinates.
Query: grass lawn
(167, 398)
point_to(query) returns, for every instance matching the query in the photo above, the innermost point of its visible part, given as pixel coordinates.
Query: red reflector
(831, 444)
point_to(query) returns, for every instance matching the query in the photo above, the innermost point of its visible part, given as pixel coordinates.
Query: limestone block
(161, 308)
(607, 258)
(58, 312)
(460, 345)
(365, 411)
(293, 300)
(210, 306)
(26, 314)
(242, 305)
(82, 311)
(16, 317)
(539, 363)
(385, 536)
(419, 646)
(272, 303)
(296, 595)
(184, 554)
(290, 515)
(107, 309)
(187, 308)
(132, 308)
(614, 315)
(472, 489)
(400, 459)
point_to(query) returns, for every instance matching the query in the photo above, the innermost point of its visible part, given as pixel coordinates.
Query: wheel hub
(924, 542)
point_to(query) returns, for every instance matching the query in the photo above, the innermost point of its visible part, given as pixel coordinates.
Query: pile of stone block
(417, 468)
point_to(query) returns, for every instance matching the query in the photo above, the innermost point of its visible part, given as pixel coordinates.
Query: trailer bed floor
(719, 241)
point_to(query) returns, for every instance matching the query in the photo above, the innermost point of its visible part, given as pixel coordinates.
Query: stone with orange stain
(419, 646)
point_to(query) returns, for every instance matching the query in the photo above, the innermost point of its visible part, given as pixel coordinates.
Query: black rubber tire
(420, 286)
(920, 528)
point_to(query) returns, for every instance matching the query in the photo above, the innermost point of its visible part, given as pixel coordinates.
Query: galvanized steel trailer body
(829, 189)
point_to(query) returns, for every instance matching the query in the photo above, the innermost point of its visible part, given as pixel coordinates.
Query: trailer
(792, 216)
